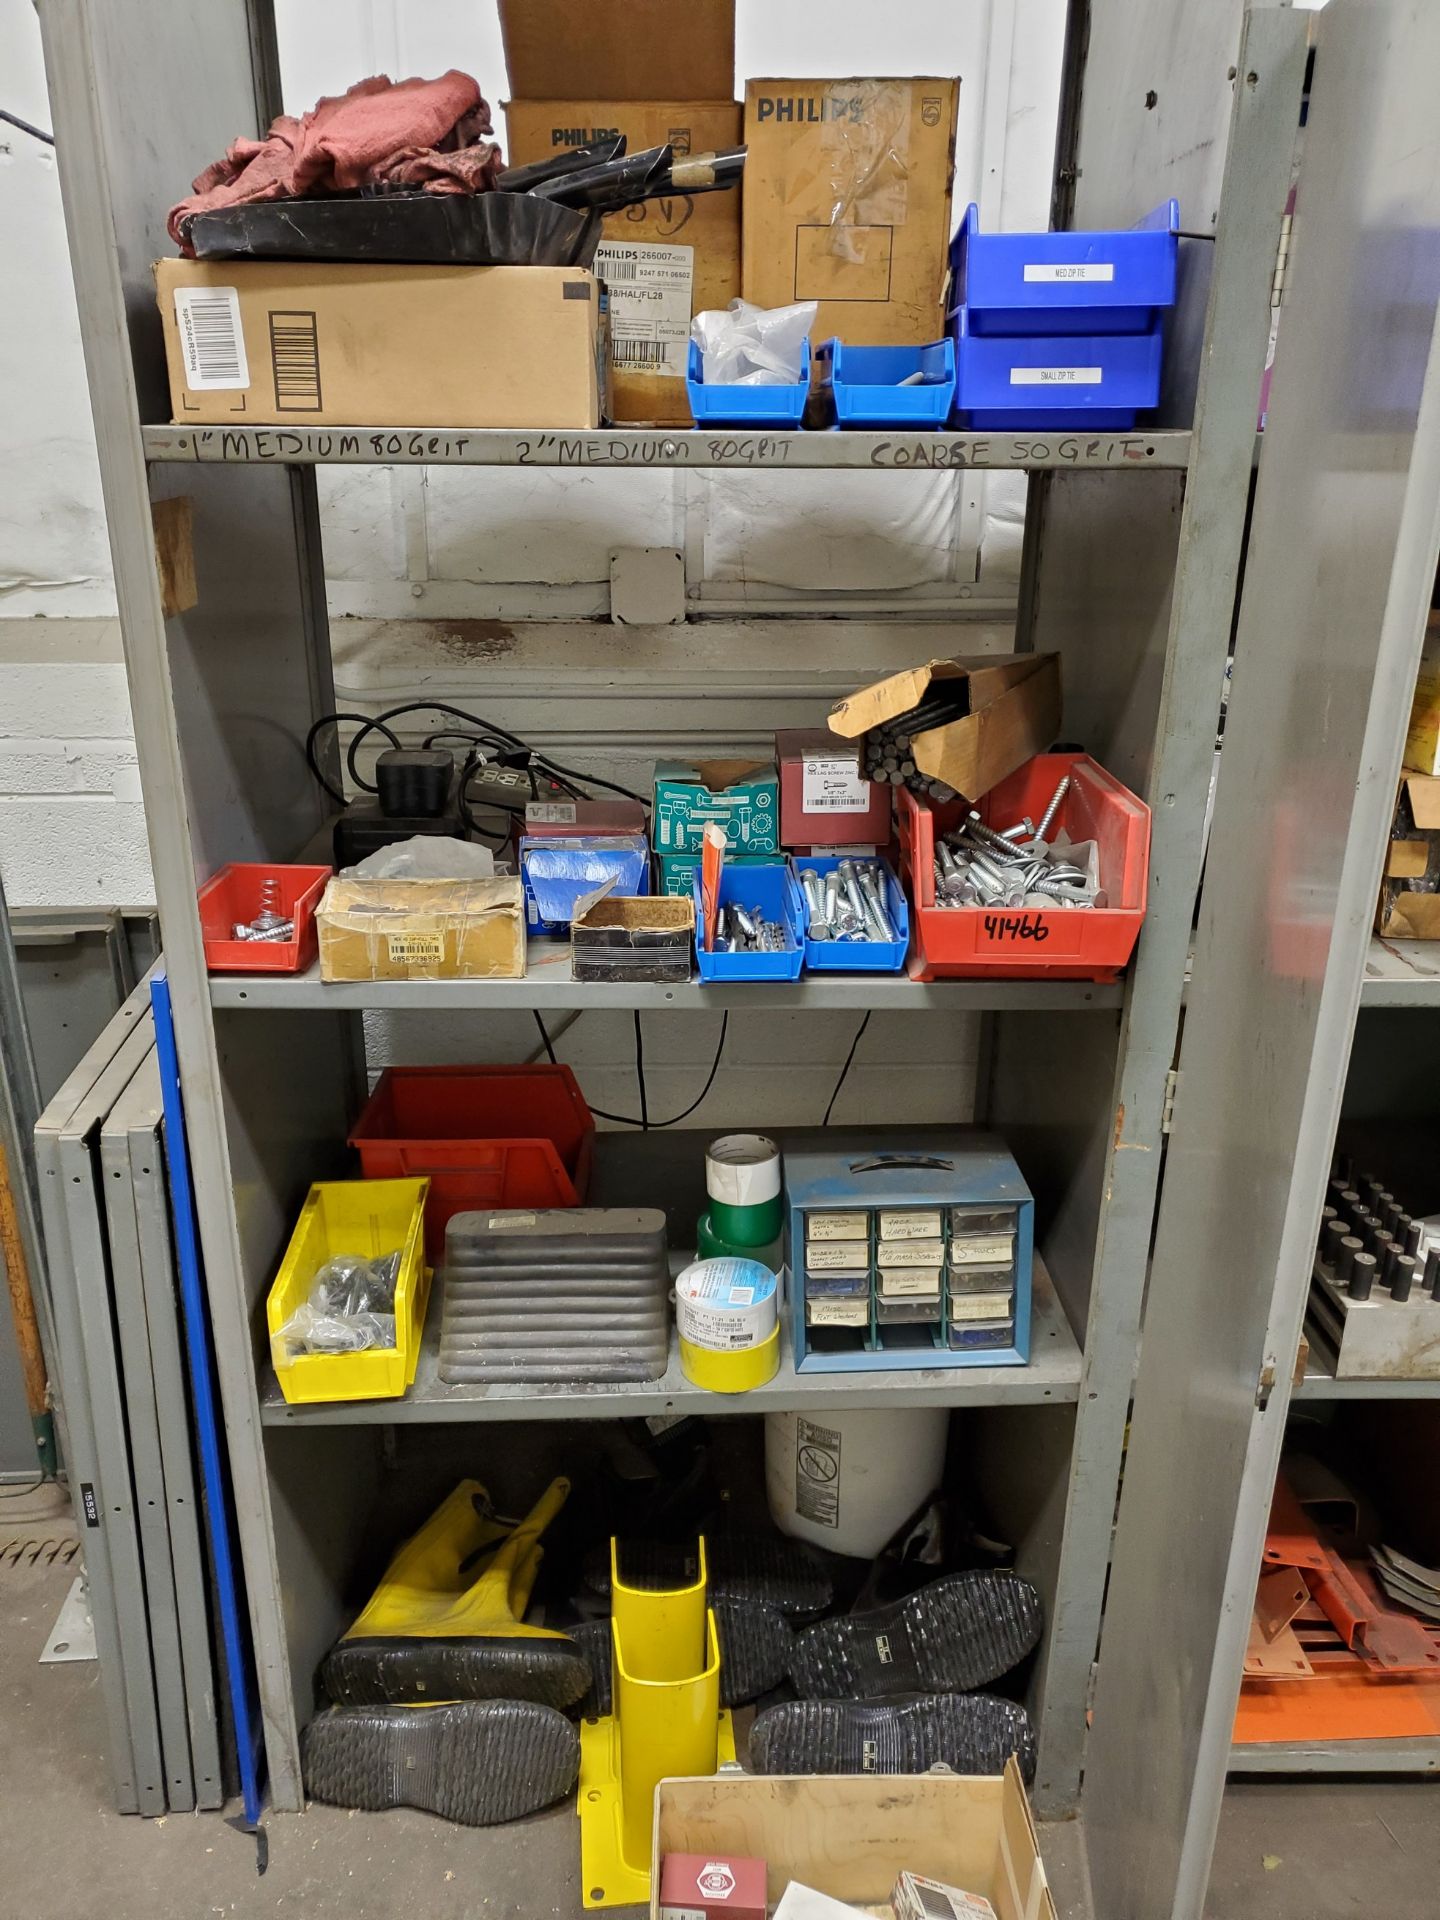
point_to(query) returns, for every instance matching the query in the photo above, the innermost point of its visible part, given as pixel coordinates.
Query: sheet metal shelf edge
(616, 447)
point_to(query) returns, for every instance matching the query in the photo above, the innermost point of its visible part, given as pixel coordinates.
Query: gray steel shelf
(548, 983)
(1401, 973)
(614, 447)
(1053, 1376)
(1338, 1756)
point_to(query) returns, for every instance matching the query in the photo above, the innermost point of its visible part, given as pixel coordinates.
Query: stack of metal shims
(847, 903)
(889, 757)
(129, 1441)
(1015, 866)
(573, 1294)
(746, 930)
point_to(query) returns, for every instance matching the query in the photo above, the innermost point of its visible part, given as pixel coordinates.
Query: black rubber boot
(478, 1762)
(960, 1632)
(968, 1732)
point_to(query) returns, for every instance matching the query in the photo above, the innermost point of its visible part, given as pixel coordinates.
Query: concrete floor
(1313, 1850)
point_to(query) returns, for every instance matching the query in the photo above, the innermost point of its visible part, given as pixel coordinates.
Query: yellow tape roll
(734, 1372)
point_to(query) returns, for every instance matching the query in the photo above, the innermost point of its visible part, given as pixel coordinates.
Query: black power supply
(415, 793)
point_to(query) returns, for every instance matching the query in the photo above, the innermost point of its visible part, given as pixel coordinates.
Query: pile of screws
(1015, 866)
(269, 923)
(847, 903)
(889, 758)
(746, 930)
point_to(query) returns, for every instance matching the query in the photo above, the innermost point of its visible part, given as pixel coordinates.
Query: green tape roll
(746, 1227)
(711, 1245)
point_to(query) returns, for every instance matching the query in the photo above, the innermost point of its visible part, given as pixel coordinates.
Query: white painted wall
(451, 545)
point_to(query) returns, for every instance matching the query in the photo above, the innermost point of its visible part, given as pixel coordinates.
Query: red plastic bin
(485, 1136)
(1062, 943)
(233, 894)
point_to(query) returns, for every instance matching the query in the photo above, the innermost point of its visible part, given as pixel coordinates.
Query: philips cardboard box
(585, 70)
(290, 343)
(847, 201)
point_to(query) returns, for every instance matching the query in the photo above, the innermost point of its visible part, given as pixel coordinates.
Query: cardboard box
(422, 930)
(1412, 857)
(700, 1886)
(742, 796)
(847, 201)
(1422, 741)
(286, 343)
(625, 937)
(680, 871)
(583, 70)
(852, 1836)
(824, 799)
(1014, 714)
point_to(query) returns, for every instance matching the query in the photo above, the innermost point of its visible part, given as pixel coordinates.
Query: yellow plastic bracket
(666, 1720)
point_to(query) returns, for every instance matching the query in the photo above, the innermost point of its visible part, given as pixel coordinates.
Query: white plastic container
(849, 1481)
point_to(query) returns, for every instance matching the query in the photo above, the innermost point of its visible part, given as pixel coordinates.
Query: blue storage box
(1056, 283)
(734, 404)
(966, 1180)
(1083, 383)
(867, 384)
(557, 873)
(774, 892)
(857, 956)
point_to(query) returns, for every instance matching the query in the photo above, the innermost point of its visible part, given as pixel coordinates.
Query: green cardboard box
(678, 871)
(742, 796)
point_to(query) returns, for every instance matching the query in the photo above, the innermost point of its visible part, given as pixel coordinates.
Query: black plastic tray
(453, 229)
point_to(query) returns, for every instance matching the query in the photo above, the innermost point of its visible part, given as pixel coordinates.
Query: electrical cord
(640, 1074)
(332, 720)
(859, 1034)
(35, 133)
(488, 730)
(624, 1119)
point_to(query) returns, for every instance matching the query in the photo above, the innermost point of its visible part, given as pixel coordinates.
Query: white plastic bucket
(850, 1480)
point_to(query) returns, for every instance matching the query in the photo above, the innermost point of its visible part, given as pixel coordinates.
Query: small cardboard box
(852, 1836)
(585, 70)
(699, 1886)
(290, 343)
(847, 201)
(1406, 911)
(1014, 714)
(629, 937)
(422, 930)
(825, 801)
(1422, 741)
(742, 796)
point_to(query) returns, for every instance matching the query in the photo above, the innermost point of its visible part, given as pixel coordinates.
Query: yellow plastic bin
(369, 1217)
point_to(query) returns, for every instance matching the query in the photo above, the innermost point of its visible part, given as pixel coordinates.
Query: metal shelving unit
(1339, 571)
(1133, 547)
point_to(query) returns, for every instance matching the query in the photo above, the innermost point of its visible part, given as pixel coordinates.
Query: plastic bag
(425, 856)
(750, 346)
(351, 1308)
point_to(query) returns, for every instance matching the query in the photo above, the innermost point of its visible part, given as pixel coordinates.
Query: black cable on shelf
(859, 1035)
(640, 1074)
(624, 1119)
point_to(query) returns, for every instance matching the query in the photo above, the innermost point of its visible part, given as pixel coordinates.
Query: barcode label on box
(1078, 270)
(406, 949)
(1055, 376)
(831, 783)
(295, 362)
(650, 294)
(212, 343)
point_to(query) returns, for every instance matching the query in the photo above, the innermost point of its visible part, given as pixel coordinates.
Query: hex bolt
(993, 842)
(815, 903)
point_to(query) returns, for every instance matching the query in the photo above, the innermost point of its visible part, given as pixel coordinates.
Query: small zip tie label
(1056, 376)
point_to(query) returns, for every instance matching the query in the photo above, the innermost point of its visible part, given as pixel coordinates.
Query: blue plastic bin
(1055, 283)
(857, 956)
(866, 384)
(774, 891)
(732, 405)
(1072, 383)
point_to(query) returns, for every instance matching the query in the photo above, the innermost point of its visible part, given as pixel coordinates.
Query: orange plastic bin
(1061, 943)
(484, 1136)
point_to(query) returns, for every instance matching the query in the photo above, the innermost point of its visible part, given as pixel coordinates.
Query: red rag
(379, 131)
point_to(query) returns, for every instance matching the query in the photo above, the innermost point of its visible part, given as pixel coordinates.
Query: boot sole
(755, 1649)
(477, 1762)
(959, 1632)
(968, 1732)
(408, 1671)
